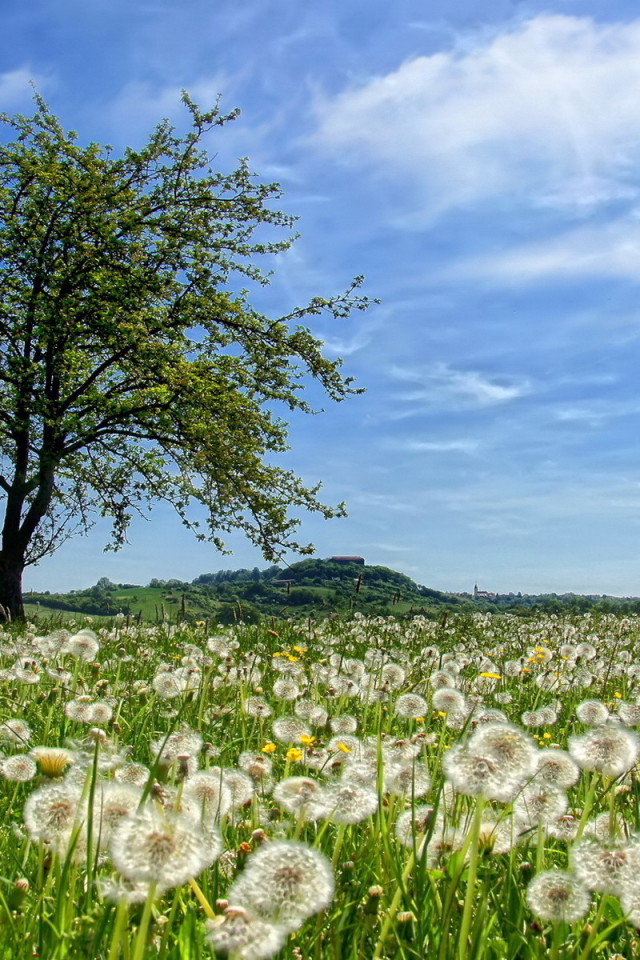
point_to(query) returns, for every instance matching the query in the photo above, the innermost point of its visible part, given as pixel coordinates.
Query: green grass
(390, 900)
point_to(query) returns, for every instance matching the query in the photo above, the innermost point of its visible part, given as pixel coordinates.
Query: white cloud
(549, 110)
(16, 87)
(440, 446)
(442, 385)
(612, 250)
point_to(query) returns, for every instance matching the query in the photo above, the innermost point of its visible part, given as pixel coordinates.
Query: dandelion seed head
(610, 749)
(20, 768)
(283, 883)
(592, 712)
(558, 896)
(239, 934)
(290, 729)
(607, 867)
(410, 705)
(153, 847)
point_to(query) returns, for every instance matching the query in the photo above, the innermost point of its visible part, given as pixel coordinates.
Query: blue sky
(478, 162)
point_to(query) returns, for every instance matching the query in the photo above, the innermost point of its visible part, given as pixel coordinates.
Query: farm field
(350, 789)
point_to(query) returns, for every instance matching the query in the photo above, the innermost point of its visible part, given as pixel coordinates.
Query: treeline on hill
(308, 588)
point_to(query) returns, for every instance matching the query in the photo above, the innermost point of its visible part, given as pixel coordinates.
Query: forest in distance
(311, 587)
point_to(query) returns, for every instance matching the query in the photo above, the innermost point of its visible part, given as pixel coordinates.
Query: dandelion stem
(122, 914)
(471, 878)
(141, 937)
(393, 908)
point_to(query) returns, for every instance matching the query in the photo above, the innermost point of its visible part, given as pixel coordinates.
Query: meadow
(335, 790)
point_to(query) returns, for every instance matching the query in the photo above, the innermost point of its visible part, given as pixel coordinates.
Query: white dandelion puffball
(283, 883)
(607, 867)
(19, 768)
(411, 705)
(610, 749)
(239, 934)
(167, 850)
(51, 813)
(558, 896)
(83, 645)
(592, 712)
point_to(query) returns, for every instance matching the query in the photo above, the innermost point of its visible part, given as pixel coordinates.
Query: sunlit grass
(454, 885)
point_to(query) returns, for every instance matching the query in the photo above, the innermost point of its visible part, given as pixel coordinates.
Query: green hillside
(307, 588)
(310, 588)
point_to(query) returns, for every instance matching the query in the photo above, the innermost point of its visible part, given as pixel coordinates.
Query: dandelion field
(336, 790)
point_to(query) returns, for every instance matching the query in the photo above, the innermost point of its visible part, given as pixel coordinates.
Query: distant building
(359, 560)
(483, 594)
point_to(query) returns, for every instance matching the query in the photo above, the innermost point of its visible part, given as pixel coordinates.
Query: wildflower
(167, 685)
(289, 729)
(51, 813)
(256, 707)
(134, 773)
(52, 761)
(112, 801)
(211, 793)
(257, 766)
(392, 676)
(607, 867)
(283, 883)
(349, 802)
(19, 768)
(629, 713)
(159, 848)
(269, 747)
(539, 803)
(513, 749)
(83, 645)
(315, 713)
(239, 934)
(448, 700)
(558, 896)
(610, 749)
(120, 890)
(15, 731)
(294, 755)
(410, 706)
(412, 825)
(301, 795)
(557, 767)
(285, 689)
(343, 747)
(489, 675)
(413, 780)
(475, 775)
(592, 712)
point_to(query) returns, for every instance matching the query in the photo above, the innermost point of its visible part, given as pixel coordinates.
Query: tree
(132, 367)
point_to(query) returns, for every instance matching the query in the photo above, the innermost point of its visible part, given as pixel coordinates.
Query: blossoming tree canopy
(132, 369)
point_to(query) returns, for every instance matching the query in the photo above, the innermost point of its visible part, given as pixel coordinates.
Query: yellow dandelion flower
(291, 658)
(300, 649)
(491, 676)
(547, 736)
(306, 739)
(269, 747)
(419, 719)
(618, 696)
(343, 747)
(294, 754)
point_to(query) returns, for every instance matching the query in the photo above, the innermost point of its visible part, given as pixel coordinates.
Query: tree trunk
(11, 568)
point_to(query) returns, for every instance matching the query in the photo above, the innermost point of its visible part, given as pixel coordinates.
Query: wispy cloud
(445, 386)
(605, 250)
(548, 109)
(439, 446)
(16, 87)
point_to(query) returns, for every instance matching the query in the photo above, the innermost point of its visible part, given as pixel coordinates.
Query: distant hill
(316, 588)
